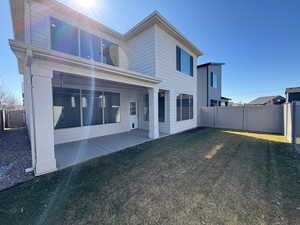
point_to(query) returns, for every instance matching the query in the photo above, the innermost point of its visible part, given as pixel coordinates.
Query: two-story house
(210, 84)
(84, 80)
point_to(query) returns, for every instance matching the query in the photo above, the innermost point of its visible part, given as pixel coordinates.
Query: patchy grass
(266, 137)
(203, 177)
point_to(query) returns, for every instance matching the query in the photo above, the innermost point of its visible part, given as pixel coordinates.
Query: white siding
(173, 80)
(152, 52)
(141, 52)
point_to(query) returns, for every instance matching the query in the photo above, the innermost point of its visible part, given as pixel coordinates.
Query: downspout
(28, 61)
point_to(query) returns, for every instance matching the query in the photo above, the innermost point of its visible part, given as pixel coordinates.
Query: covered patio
(72, 153)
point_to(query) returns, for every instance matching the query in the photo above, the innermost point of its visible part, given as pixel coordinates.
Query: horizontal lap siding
(173, 80)
(141, 52)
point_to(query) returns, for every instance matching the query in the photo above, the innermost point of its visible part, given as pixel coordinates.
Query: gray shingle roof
(262, 100)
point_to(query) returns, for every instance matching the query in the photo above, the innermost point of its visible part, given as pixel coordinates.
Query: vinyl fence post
(1, 121)
(293, 122)
(244, 127)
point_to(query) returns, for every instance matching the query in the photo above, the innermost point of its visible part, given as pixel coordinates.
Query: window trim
(191, 107)
(179, 61)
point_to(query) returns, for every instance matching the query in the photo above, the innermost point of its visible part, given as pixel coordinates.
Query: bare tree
(7, 101)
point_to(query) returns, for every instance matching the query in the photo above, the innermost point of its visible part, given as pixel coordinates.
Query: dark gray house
(268, 100)
(292, 94)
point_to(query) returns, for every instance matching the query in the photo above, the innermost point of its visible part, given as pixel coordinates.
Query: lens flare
(86, 3)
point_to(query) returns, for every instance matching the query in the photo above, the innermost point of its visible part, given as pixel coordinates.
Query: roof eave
(210, 63)
(157, 18)
(20, 50)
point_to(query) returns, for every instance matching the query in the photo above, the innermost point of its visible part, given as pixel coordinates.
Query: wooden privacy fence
(268, 119)
(13, 118)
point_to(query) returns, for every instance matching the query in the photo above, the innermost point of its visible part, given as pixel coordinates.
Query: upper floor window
(213, 80)
(184, 61)
(66, 38)
(90, 46)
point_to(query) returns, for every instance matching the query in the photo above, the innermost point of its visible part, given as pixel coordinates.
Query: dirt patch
(15, 157)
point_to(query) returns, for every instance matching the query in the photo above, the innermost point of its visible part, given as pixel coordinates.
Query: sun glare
(86, 3)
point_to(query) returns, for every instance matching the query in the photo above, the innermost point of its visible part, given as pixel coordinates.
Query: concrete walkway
(75, 152)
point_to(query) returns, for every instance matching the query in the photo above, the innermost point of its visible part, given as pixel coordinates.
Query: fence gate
(14, 119)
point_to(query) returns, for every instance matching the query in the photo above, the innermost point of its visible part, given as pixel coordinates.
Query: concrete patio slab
(72, 153)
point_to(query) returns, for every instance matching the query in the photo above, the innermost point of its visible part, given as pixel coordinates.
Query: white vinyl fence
(267, 119)
(297, 125)
(292, 123)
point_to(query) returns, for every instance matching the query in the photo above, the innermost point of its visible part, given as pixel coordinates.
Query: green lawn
(205, 176)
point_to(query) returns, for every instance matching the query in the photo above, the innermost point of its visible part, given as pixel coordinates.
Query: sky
(258, 40)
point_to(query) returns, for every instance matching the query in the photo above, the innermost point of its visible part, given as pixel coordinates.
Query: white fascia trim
(20, 49)
(157, 18)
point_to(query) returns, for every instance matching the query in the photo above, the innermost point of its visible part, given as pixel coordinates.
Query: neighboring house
(210, 84)
(225, 101)
(268, 100)
(84, 80)
(292, 94)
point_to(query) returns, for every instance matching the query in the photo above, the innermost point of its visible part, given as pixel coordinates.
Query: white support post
(42, 104)
(172, 110)
(153, 113)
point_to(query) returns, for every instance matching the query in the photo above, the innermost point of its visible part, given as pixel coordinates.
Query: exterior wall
(173, 80)
(205, 91)
(84, 132)
(141, 52)
(152, 52)
(202, 86)
(215, 93)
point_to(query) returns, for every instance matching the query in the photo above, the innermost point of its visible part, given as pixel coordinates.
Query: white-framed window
(72, 40)
(185, 107)
(184, 62)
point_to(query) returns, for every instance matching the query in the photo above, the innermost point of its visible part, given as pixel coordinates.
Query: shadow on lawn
(246, 180)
